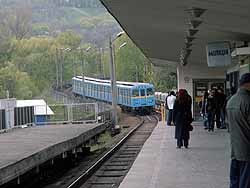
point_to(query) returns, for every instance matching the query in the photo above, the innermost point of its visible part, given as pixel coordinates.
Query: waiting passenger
(211, 109)
(182, 117)
(170, 105)
(231, 93)
(222, 107)
(238, 114)
(203, 110)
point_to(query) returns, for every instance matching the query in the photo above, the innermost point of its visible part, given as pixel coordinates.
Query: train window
(150, 91)
(135, 93)
(143, 92)
(119, 91)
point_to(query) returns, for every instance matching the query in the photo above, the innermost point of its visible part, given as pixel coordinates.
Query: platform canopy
(160, 27)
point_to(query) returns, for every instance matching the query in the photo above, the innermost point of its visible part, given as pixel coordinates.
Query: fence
(57, 114)
(66, 113)
(24, 116)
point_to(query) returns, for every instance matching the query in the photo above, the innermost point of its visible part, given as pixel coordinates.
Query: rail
(81, 179)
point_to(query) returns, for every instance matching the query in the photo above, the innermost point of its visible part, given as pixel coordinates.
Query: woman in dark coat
(182, 116)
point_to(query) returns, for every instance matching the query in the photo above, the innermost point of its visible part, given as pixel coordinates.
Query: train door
(143, 98)
(122, 96)
(199, 89)
(2, 120)
(200, 86)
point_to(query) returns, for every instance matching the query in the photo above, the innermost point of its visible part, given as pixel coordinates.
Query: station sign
(218, 54)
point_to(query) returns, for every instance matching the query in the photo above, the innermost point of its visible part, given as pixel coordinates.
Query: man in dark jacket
(211, 109)
(238, 114)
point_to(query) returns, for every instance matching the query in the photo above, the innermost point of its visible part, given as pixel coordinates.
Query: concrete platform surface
(23, 149)
(160, 165)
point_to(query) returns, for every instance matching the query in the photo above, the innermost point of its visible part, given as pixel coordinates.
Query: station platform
(161, 165)
(24, 149)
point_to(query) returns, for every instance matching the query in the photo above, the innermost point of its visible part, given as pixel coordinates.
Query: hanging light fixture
(188, 44)
(194, 23)
(192, 32)
(189, 39)
(196, 12)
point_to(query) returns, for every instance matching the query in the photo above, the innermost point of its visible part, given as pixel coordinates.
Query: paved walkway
(160, 165)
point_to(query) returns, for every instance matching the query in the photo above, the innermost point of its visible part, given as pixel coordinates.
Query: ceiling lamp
(192, 32)
(185, 53)
(183, 62)
(194, 23)
(188, 45)
(196, 12)
(189, 39)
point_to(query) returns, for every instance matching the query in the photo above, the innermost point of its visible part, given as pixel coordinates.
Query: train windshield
(143, 92)
(135, 93)
(150, 91)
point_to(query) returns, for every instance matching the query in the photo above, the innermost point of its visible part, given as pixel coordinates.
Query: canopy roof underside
(159, 27)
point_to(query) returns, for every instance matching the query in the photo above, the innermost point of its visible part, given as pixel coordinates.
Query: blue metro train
(131, 96)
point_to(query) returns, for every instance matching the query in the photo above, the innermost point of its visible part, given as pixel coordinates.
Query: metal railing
(24, 116)
(66, 113)
(57, 114)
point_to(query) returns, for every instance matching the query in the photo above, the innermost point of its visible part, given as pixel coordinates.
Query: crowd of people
(215, 107)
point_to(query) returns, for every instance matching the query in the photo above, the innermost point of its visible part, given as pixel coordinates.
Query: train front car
(77, 84)
(131, 96)
(143, 98)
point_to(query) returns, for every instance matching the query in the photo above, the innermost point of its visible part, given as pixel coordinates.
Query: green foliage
(69, 39)
(165, 78)
(16, 82)
(30, 65)
(132, 65)
(90, 22)
(40, 29)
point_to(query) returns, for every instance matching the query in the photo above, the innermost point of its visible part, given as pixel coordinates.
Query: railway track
(110, 169)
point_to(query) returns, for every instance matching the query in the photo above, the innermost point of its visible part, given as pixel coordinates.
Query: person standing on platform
(218, 106)
(232, 91)
(170, 100)
(210, 109)
(238, 114)
(182, 117)
(203, 110)
(222, 105)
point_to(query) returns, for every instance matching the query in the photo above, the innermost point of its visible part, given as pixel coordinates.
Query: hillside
(51, 17)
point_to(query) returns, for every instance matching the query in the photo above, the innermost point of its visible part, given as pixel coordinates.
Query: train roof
(120, 83)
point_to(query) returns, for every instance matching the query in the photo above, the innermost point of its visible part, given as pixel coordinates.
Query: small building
(41, 111)
(7, 107)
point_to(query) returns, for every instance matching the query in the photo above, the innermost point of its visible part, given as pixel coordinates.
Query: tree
(69, 39)
(17, 83)
(131, 63)
(5, 40)
(19, 23)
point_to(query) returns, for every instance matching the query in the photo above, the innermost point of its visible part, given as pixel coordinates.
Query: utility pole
(83, 69)
(61, 69)
(74, 64)
(101, 64)
(57, 62)
(136, 73)
(113, 83)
